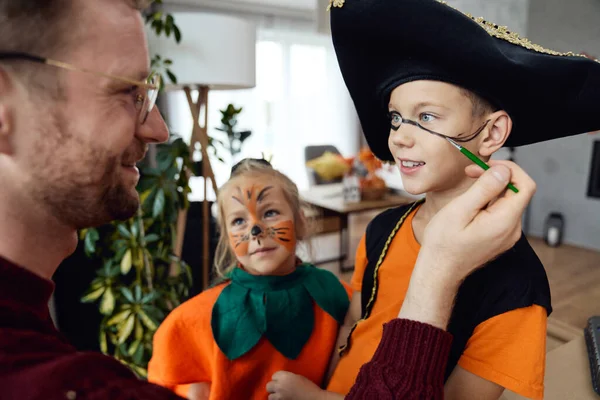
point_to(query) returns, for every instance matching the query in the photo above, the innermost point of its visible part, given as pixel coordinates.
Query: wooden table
(329, 201)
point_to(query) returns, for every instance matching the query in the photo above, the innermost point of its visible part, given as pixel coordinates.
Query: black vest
(513, 280)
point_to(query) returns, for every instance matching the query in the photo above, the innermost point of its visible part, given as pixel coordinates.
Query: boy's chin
(415, 188)
(418, 187)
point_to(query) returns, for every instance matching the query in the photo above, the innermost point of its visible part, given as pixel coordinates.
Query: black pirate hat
(381, 44)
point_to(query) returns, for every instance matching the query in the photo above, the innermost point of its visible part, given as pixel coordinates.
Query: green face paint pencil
(476, 160)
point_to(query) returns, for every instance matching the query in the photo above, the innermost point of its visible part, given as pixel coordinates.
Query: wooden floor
(574, 276)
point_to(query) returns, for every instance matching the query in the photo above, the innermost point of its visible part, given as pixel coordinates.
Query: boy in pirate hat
(420, 72)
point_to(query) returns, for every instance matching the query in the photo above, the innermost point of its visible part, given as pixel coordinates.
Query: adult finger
(485, 189)
(514, 204)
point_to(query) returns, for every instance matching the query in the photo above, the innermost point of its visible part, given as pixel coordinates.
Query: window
(300, 99)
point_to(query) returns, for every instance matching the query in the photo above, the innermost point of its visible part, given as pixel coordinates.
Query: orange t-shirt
(508, 349)
(185, 352)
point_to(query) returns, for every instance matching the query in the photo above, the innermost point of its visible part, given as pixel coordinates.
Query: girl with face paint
(273, 312)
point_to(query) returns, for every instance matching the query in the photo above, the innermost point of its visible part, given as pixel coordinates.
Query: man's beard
(97, 203)
(67, 182)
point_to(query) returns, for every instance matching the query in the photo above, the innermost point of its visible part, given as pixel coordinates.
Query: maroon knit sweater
(36, 362)
(409, 363)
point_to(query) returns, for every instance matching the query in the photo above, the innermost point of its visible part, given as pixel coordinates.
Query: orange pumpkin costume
(185, 352)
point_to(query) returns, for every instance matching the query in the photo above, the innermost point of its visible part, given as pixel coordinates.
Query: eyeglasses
(144, 103)
(396, 120)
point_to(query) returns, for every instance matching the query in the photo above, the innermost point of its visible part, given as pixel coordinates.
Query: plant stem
(147, 267)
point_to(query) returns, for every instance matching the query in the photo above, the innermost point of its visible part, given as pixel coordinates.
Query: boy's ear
(496, 133)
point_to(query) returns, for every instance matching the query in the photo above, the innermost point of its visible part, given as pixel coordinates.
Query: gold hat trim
(335, 3)
(502, 32)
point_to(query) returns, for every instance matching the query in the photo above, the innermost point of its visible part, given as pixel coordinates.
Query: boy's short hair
(481, 106)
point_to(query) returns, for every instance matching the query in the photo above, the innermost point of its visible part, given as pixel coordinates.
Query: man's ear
(495, 134)
(6, 125)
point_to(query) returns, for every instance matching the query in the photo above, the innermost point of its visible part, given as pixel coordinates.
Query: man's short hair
(42, 28)
(33, 26)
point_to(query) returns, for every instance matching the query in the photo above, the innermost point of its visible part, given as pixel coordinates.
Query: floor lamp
(217, 52)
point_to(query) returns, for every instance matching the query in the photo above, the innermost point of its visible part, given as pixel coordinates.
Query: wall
(511, 13)
(561, 167)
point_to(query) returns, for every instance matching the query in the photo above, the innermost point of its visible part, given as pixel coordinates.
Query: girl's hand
(288, 386)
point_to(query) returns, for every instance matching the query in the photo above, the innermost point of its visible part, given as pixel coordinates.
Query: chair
(312, 152)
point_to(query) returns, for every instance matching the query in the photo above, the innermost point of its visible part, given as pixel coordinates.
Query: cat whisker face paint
(259, 218)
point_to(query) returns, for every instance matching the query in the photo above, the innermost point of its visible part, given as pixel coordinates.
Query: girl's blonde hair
(225, 259)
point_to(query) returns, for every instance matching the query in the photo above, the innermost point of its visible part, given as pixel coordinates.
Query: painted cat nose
(256, 230)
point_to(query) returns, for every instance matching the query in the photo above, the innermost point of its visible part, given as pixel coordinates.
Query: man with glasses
(76, 115)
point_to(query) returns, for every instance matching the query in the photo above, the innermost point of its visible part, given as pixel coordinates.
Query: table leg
(344, 244)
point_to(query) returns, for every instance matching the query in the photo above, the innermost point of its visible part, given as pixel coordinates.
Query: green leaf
(120, 317)
(159, 203)
(144, 196)
(124, 231)
(97, 284)
(151, 238)
(139, 371)
(137, 356)
(171, 76)
(135, 228)
(139, 330)
(103, 342)
(154, 312)
(150, 297)
(126, 262)
(177, 33)
(126, 330)
(134, 347)
(120, 253)
(149, 201)
(91, 237)
(93, 296)
(148, 322)
(108, 302)
(127, 294)
(165, 160)
(138, 293)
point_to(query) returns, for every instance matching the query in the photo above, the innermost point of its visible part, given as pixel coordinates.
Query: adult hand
(480, 224)
(472, 229)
